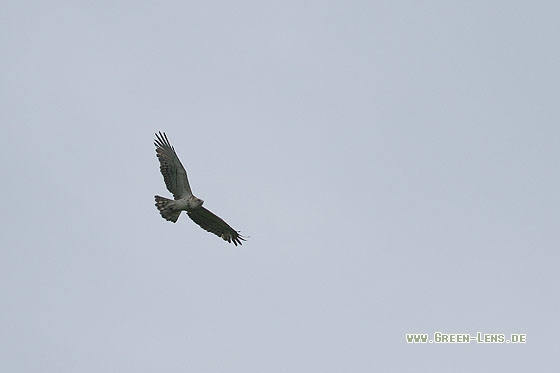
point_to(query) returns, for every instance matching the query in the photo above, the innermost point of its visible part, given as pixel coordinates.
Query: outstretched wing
(171, 168)
(214, 224)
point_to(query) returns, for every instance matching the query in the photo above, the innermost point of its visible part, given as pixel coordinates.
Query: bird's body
(175, 177)
(171, 209)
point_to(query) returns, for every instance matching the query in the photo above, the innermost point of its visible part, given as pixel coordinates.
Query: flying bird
(176, 181)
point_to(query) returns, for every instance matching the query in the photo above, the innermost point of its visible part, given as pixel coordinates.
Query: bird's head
(197, 202)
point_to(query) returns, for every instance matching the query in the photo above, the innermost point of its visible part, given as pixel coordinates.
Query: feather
(174, 174)
(212, 223)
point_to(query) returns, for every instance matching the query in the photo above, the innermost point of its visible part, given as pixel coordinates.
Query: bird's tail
(165, 207)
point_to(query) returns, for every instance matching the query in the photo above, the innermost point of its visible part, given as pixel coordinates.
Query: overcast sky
(395, 164)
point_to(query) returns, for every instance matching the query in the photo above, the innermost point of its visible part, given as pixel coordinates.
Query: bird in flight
(176, 181)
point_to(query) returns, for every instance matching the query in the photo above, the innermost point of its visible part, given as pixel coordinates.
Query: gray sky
(395, 163)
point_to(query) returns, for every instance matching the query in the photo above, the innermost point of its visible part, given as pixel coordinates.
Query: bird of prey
(175, 178)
